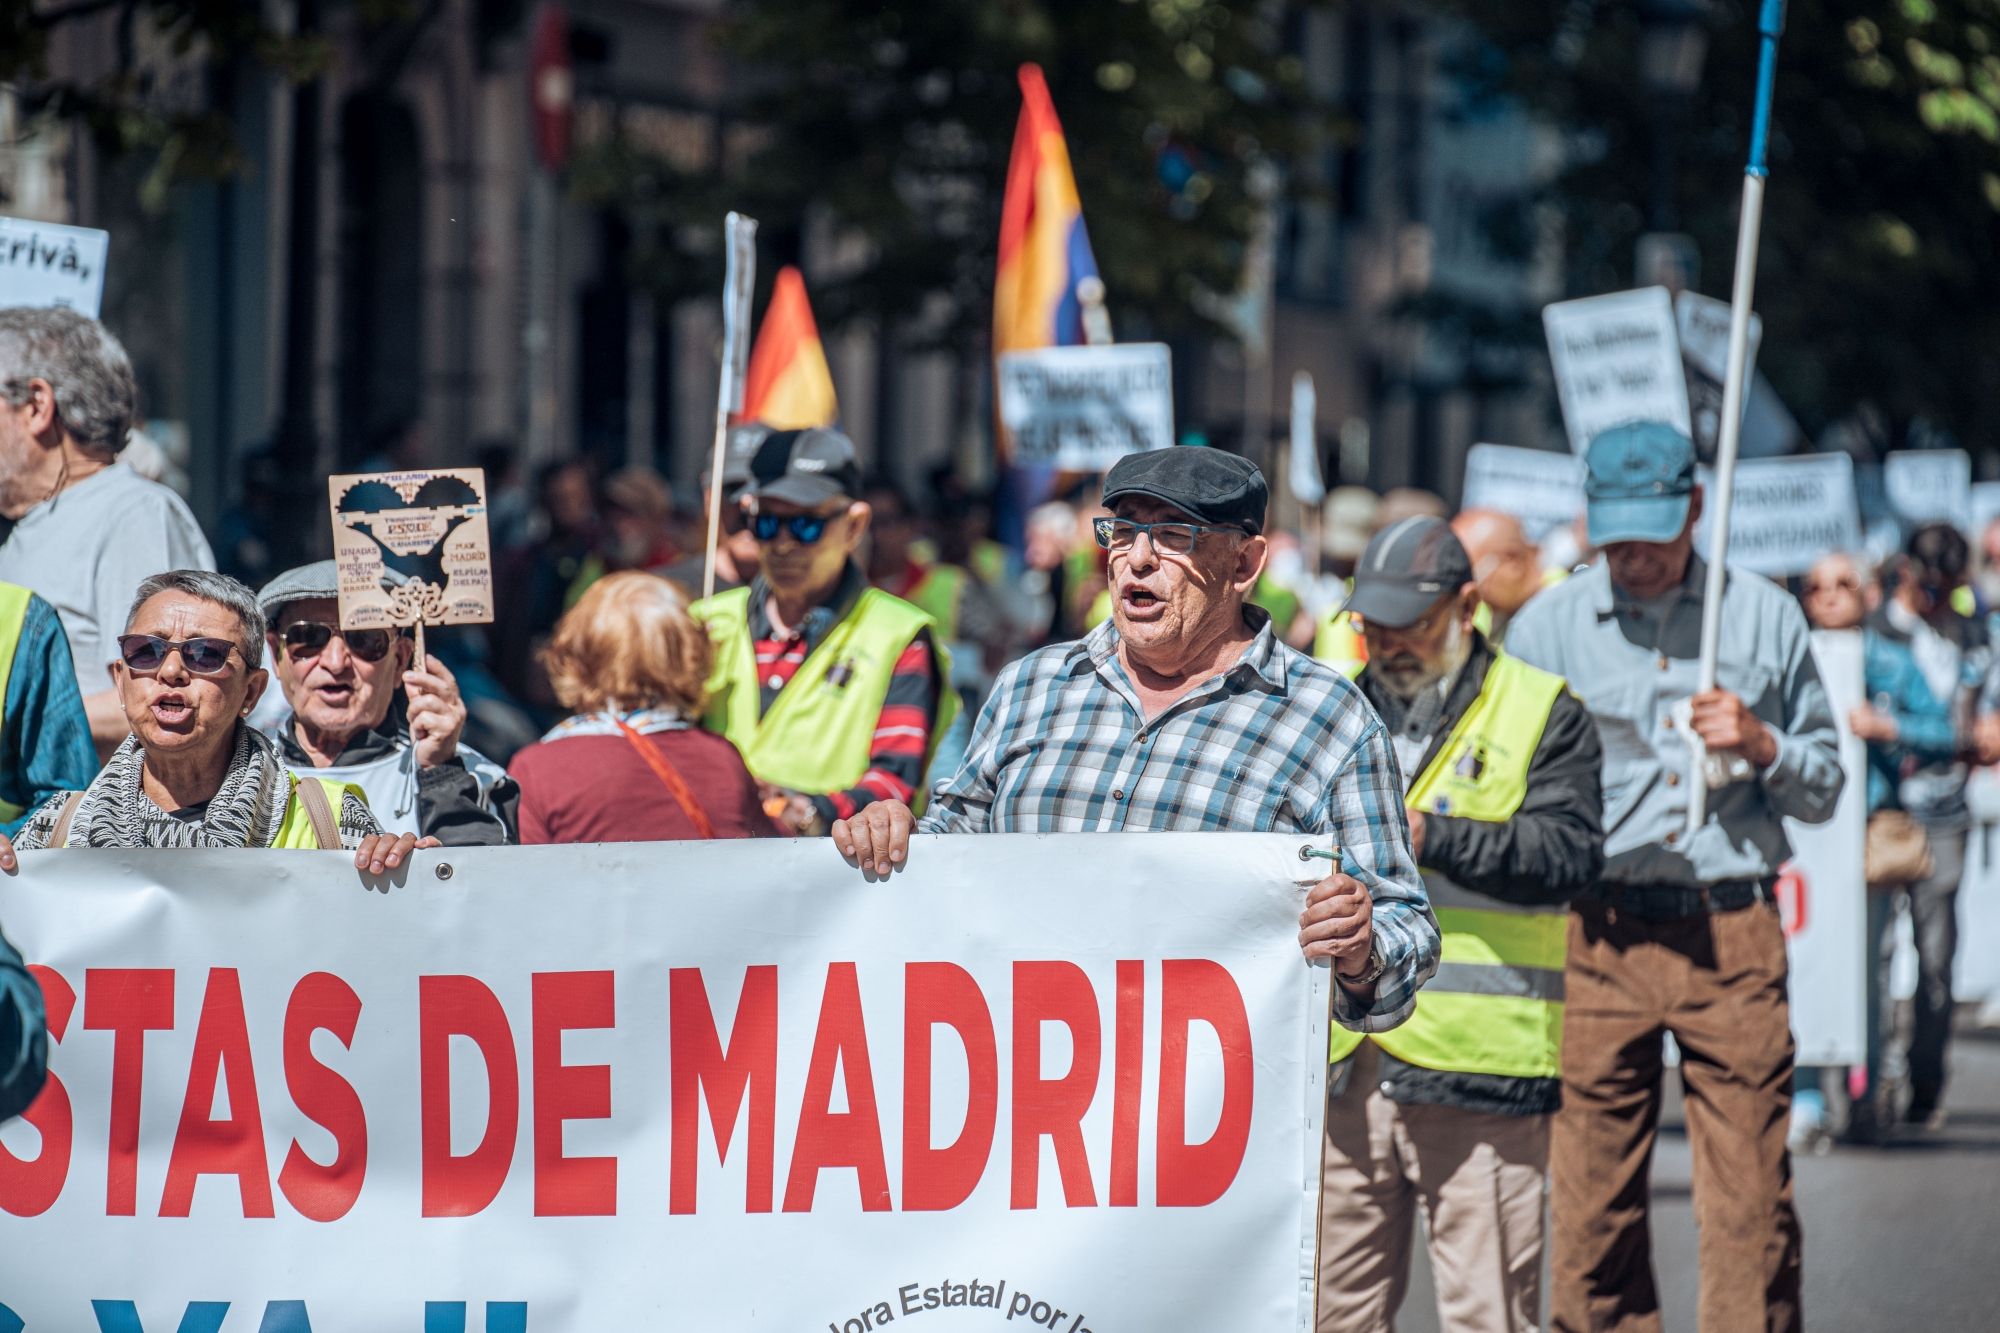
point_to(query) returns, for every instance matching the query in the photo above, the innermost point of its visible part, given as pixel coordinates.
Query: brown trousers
(1717, 983)
(1477, 1181)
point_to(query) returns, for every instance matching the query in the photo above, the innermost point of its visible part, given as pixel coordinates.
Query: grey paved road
(1901, 1237)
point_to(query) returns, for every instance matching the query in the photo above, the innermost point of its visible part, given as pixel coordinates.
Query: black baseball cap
(1206, 484)
(1407, 567)
(805, 467)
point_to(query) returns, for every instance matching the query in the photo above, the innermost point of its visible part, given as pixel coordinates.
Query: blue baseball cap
(1639, 483)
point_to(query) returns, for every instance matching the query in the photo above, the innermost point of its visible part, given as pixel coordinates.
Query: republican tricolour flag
(788, 386)
(1044, 250)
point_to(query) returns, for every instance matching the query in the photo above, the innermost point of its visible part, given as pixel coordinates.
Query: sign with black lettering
(1617, 358)
(412, 548)
(49, 264)
(1084, 408)
(1788, 512)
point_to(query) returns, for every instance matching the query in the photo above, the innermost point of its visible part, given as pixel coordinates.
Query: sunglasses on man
(805, 529)
(147, 653)
(307, 639)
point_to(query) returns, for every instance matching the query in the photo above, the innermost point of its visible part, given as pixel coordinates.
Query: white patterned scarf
(246, 810)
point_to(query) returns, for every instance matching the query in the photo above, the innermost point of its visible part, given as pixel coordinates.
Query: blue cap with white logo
(1639, 483)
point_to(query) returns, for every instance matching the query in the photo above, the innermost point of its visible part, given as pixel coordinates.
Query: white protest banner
(1821, 892)
(1703, 324)
(1084, 408)
(1541, 488)
(1929, 486)
(723, 1085)
(412, 548)
(1617, 358)
(49, 264)
(1788, 512)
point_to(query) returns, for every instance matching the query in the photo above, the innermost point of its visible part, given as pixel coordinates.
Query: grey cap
(1407, 568)
(305, 584)
(739, 448)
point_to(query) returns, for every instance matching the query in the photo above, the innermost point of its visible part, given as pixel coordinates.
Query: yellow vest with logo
(13, 616)
(1495, 1005)
(819, 732)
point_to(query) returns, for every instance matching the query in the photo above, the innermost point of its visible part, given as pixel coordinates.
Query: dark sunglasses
(308, 638)
(805, 528)
(147, 653)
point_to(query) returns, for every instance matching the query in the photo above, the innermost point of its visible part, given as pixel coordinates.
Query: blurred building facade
(398, 269)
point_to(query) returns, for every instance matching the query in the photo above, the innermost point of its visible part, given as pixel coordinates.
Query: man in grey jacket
(1682, 935)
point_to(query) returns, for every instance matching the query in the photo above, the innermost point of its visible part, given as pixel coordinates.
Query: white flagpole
(1770, 25)
(739, 278)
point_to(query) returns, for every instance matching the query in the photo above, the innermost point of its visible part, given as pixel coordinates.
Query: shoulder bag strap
(319, 810)
(59, 835)
(669, 778)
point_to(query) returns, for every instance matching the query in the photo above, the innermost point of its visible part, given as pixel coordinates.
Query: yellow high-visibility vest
(817, 736)
(939, 594)
(1496, 1003)
(1338, 644)
(13, 617)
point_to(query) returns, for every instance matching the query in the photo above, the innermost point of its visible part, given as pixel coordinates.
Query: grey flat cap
(307, 583)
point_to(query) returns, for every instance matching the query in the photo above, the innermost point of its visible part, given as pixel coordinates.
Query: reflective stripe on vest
(1495, 1004)
(818, 734)
(13, 617)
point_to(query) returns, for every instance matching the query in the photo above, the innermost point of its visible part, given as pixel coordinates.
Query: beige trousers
(1477, 1181)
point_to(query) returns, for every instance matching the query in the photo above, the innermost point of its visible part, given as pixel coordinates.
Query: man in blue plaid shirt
(1186, 712)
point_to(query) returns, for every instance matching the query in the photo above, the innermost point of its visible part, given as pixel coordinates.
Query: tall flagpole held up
(1770, 26)
(739, 277)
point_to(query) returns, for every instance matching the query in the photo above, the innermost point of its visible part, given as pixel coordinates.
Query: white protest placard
(50, 264)
(1541, 488)
(1788, 512)
(1985, 507)
(1084, 408)
(1821, 892)
(411, 548)
(1617, 358)
(723, 1085)
(1703, 324)
(1929, 486)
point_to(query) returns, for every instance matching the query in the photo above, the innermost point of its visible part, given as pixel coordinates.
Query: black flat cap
(1206, 484)
(1407, 568)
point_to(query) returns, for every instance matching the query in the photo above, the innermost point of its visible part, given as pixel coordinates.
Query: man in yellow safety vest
(834, 691)
(1450, 1112)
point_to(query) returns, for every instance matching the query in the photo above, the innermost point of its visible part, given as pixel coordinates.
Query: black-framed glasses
(307, 639)
(1119, 534)
(147, 653)
(805, 529)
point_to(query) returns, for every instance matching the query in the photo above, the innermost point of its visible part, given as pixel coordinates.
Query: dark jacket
(1549, 852)
(24, 1038)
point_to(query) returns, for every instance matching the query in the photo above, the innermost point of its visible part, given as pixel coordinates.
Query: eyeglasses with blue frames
(1119, 534)
(805, 529)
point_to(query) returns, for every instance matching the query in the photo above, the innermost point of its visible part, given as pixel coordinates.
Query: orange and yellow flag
(788, 386)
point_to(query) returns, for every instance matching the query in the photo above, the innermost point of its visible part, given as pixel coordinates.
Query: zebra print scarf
(245, 811)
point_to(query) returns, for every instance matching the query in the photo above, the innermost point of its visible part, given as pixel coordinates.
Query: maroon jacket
(599, 789)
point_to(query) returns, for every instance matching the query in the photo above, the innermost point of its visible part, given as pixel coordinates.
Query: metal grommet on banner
(1308, 852)
(444, 870)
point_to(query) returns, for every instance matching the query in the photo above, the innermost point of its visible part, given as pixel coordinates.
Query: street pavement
(1901, 1237)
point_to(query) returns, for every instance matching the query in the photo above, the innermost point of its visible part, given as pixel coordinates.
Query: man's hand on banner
(876, 838)
(8, 861)
(437, 713)
(1338, 923)
(380, 852)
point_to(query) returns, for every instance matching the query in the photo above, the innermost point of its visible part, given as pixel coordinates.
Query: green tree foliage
(1879, 281)
(891, 123)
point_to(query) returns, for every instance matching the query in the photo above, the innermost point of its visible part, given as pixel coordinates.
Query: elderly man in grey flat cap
(343, 718)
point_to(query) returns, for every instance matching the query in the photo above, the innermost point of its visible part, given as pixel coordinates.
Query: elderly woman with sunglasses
(354, 710)
(193, 773)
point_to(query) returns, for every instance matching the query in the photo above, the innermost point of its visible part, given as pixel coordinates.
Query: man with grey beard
(1449, 1114)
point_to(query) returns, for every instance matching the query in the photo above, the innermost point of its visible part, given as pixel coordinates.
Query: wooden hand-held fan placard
(412, 549)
